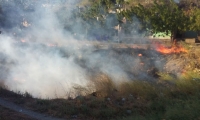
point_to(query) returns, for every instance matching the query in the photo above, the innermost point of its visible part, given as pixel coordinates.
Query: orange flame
(51, 45)
(175, 48)
(23, 41)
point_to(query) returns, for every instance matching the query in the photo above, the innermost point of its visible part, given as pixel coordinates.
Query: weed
(138, 100)
(139, 89)
(27, 95)
(166, 76)
(85, 109)
(106, 113)
(68, 110)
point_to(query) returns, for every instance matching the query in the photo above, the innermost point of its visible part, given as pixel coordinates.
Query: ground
(169, 97)
(7, 114)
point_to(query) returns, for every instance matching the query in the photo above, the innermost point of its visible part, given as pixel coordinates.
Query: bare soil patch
(7, 114)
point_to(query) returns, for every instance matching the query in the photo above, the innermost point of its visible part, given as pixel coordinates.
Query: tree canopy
(145, 16)
(158, 16)
(162, 16)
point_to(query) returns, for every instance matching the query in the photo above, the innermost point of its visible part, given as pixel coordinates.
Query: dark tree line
(100, 17)
(156, 16)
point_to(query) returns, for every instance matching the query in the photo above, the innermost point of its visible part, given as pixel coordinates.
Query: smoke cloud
(39, 57)
(177, 1)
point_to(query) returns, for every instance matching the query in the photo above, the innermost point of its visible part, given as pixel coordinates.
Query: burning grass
(173, 95)
(187, 63)
(174, 48)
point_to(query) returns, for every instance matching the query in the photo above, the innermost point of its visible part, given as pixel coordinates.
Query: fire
(141, 63)
(175, 48)
(23, 41)
(51, 45)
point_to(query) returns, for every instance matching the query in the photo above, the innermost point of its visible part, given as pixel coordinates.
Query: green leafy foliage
(161, 16)
(196, 18)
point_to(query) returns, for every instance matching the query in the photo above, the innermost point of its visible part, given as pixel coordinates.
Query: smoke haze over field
(48, 72)
(177, 1)
(30, 66)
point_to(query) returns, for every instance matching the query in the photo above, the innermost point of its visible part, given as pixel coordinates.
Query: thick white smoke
(40, 72)
(48, 72)
(37, 69)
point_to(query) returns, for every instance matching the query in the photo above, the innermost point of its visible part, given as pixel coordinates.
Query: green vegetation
(174, 95)
(196, 24)
(89, 16)
(146, 17)
(133, 100)
(162, 16)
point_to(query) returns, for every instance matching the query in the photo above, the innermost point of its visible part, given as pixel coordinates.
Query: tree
(162, 16)
(98, 19)
(195, 12)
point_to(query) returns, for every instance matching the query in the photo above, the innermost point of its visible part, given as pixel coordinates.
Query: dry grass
(130, 100)
(181, 63)
(103, 84)
(175, 95)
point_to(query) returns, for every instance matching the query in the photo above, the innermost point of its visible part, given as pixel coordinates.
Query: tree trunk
(173, 35)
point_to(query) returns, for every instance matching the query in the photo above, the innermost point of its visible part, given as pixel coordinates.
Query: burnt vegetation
(156, 85)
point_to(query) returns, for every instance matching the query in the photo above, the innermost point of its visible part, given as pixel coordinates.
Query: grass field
(138, 100)
(173, 96)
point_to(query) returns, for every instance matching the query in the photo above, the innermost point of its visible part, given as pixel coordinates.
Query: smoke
(176, 1)
(40, 57)
(39, 71)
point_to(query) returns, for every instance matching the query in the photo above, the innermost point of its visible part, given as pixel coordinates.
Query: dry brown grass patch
(181, 63)
(103, 84)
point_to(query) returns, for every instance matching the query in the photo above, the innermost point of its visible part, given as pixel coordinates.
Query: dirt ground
(7, 114)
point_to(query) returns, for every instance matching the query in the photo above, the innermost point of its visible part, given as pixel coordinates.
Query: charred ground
(168, 96)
